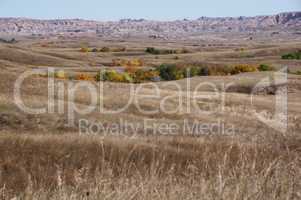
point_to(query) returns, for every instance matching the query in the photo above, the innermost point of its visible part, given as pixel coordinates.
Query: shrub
(239, 49)
(106, 75)
(113, 76)
(118, 49)
(143, 75)
(173, 72)
(298, 73)
(94, 50)
(185, 51)
(60, 75)
(84, 77)
(152, 50)
(216, 71)
(204, 71)
(292, 56)
(119, 62)
(127, 78)
(84, 50)
(105, 49)
(192, 71)
(128, 63)
(243, 68)
(117, 78)
(57, 74)
(138, 76)
(170, 72)
(131, 69)
(288, 56)
(264, 67)
(152, 75)
(168, 51)
(135, 63)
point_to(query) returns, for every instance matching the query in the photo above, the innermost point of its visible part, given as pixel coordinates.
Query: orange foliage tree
(84, 77)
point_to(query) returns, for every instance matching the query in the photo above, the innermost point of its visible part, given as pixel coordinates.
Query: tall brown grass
(153, 167)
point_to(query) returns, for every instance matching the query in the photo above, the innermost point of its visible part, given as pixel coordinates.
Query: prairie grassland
(40, 158)
(156, 167)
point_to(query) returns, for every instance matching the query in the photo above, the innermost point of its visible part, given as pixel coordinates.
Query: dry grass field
(43, 158)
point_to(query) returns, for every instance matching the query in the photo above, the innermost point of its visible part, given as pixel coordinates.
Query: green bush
(264, 67)
(204, 71)
(154, 51)
(288, 56)
(137, 77)
(192, 71)
(113, 76)
(174, 72)
(127, 78)
(107, 75)
(170, 72)
(292, 56)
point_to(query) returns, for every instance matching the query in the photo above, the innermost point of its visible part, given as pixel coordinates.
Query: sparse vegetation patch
(292, 56)
(264, 67)
(128, 62)
(155, 51)
(102, 50)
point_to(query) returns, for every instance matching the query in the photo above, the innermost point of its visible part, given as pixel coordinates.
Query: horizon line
(146, 19)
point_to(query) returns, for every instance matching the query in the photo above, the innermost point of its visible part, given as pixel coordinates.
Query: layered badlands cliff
(23, 26)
